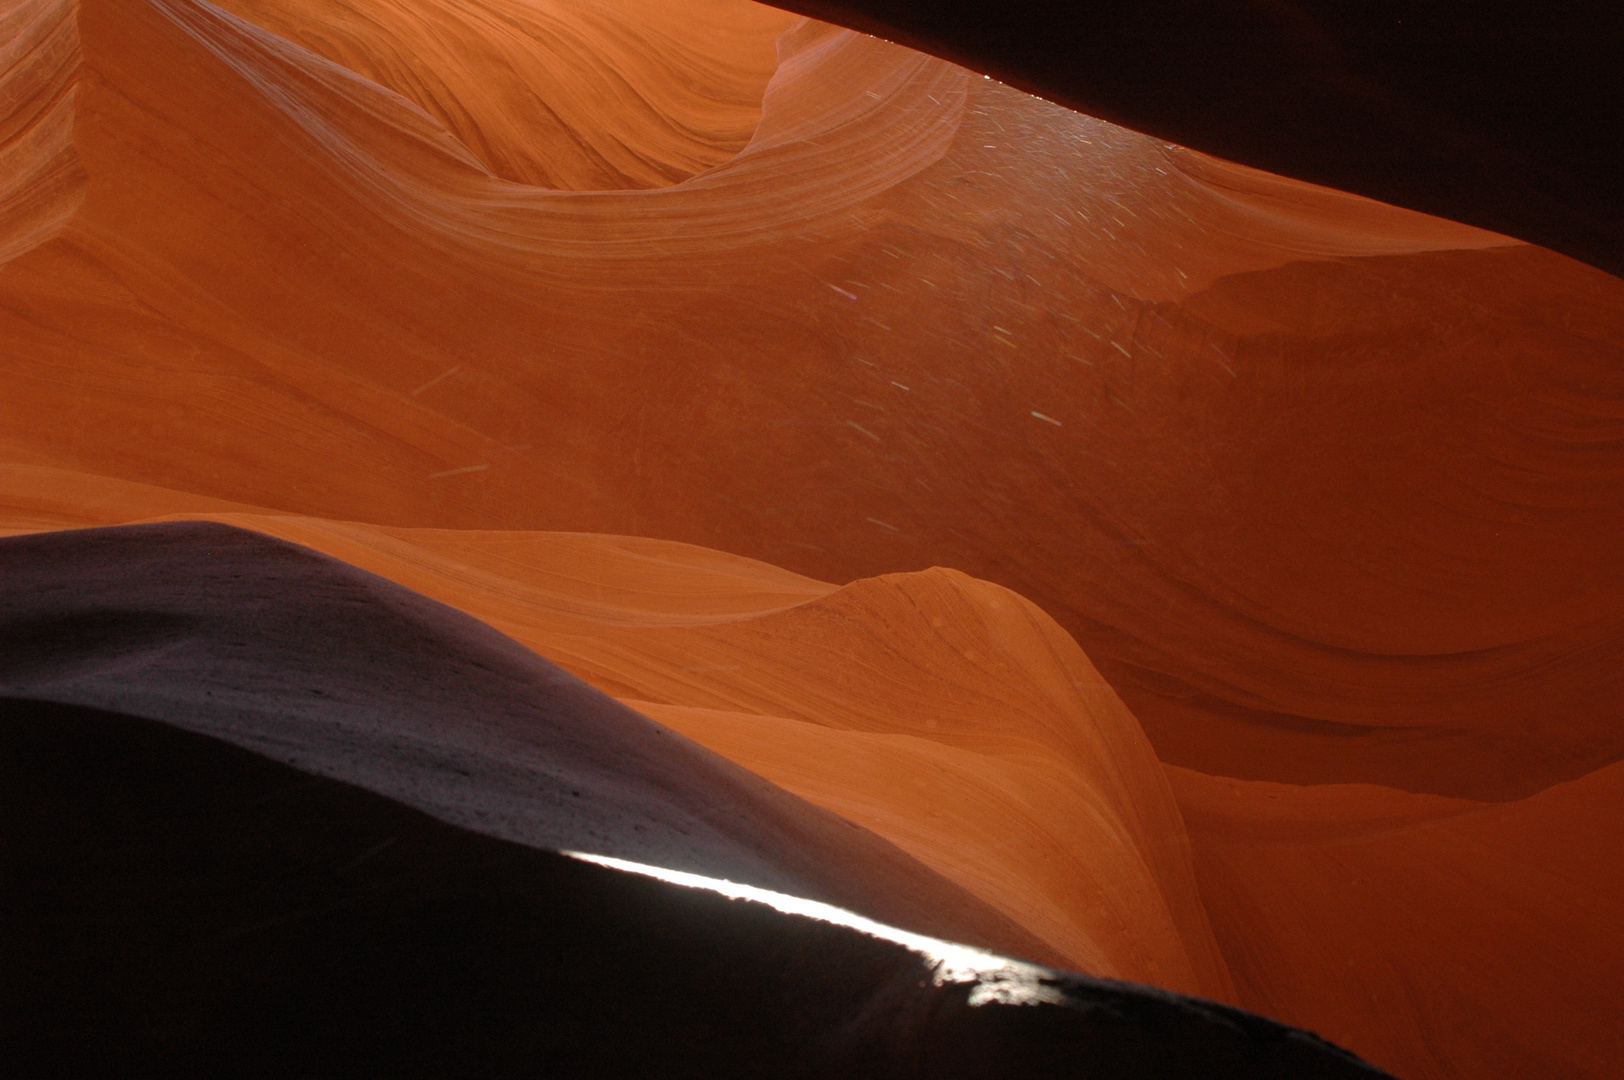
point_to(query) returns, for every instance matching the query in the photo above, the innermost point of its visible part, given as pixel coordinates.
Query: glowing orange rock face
(41, 181)
(1326, 491)
(574, 95)
(1442, 937)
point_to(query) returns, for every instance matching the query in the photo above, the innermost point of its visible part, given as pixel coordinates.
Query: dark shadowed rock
(336, 671)
(175, 905)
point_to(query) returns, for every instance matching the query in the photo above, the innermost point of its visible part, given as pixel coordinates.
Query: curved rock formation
(324, 667)
(1311, 498)
(41, 181)
(970, 747)
(1437, 937)
(573, 95)
(258, 918)
(947, 715)
(1496, 116)
(920, 320)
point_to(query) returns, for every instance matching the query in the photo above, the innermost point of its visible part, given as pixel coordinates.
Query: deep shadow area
(175, 905)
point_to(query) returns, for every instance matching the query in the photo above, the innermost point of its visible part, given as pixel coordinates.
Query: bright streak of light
(997, 980)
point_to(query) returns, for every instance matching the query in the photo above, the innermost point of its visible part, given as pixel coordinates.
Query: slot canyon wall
(1218, 576)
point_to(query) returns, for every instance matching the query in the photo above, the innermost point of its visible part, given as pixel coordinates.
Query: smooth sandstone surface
(319, 665)
(945, 714)
(1466, 939)
(1324, 902)
(1498, 116)
(41, 180)
(573, 95)
(1313, 499)
(1325, 489)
